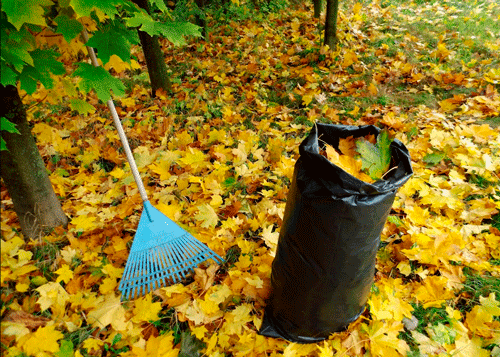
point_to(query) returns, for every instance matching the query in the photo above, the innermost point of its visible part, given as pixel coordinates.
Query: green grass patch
(431, 316)
(45, 255)
(475, 286)
(493, 122)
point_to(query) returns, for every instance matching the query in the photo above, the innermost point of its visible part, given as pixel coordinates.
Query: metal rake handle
(119, 127)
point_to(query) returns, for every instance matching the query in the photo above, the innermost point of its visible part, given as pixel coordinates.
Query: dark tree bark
(24, 174)
(317, 8)
(157, 69)
(332, 8)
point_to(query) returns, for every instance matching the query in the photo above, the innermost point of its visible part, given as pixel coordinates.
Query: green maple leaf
(113, 39)
(81, 106)
(66, 349)
(375, 158)
(69, 28)
(434, 158)
(9, 77)
(46, 64)
(160, 4)
(9, 127)
(100, 80)
(28, 79)
(175, 31)
(143, 21)
(85, 7)
(16, 46)
(29, 11)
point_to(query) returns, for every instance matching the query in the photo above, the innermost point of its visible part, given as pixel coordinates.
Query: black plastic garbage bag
(325, 260)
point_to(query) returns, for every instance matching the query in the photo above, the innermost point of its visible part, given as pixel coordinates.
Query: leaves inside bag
(366, 158)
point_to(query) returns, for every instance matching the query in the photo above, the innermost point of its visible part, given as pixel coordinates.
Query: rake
(162, 253)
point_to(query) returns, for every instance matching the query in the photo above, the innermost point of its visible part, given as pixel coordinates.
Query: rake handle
(119, 128)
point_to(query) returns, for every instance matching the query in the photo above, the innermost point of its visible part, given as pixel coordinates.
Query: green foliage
(190, 345)
(434, 158)
(9, 127)
(175, 32)
(375, 158)
(29, 12)
(29, 62)
(113, 38)
(69, 28)
(431, 316)
(81, 106)
(100, 80)
(477, 285)
(66, 349)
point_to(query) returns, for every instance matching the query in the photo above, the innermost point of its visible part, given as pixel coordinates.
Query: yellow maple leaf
(160, 346)
(388, 303)
(83, 223)
(191, 310)
(307, 99)
(479, 319)
(219, 293)
(325, 350)
(108, 285)
(93, 344)
(52, 295)
(208, 306)
(427, 346)
(161, 168)
(22, 287)
(207, 215)
(109, 311)
(195, 158)
(18, 330)
(465, 347)
(44, 339)
(372, 88)
(145, 309)
(384, 341)
(271, 238)
(434, 291)
(298, 349)
(65, 273)
(237, 319)
(45, 133)
(349, 58)
(117, 64)
(199, 332)
(117, 173)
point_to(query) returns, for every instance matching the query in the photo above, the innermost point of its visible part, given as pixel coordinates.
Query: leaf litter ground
(218, 156)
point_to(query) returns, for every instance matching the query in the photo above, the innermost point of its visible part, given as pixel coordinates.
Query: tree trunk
(24, 173)
(332, 8)
(158, 75)
(317, 8)
(201, 20)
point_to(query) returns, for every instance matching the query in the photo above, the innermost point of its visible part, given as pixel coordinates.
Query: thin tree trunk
(157, 69)
(24, 173)
(317, 8)
(332, 8)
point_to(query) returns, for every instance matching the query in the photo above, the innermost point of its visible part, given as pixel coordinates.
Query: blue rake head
(162, 253)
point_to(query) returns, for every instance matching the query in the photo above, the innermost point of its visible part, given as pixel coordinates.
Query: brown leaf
(231, 210)
(31, 322)
(205, 277)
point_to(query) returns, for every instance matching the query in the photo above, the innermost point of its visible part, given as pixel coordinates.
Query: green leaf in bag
(375, 158)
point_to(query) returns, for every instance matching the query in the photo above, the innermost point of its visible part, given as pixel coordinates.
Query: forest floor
(217, 156)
